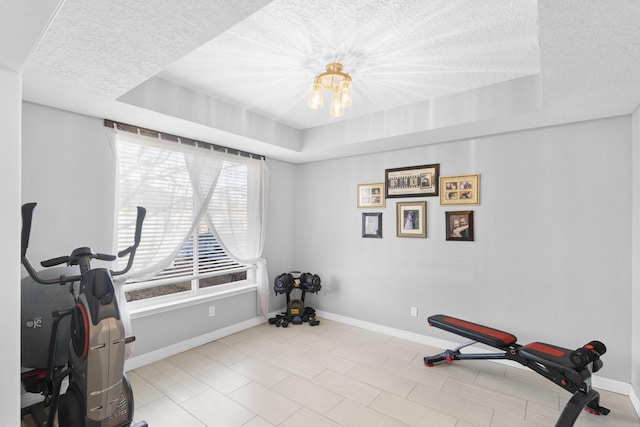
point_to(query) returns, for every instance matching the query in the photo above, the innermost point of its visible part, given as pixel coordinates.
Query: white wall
(635, 298)
(10, 119)
(551, 259)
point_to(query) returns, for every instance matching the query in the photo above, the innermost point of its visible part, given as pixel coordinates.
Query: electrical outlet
(212, 310)
(414, 311)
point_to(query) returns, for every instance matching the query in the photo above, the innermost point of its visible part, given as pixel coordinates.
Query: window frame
(164, 303)
(196, 294)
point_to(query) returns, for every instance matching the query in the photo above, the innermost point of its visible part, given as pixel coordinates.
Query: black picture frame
(372, 224)
(412, 181)
(459, 226)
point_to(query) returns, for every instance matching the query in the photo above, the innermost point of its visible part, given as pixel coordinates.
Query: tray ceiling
(238, 73)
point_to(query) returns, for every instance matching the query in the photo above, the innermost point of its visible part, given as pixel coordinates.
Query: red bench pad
(546, 352)
(473, 331)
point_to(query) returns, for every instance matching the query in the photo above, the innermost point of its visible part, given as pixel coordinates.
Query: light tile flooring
(338, 375)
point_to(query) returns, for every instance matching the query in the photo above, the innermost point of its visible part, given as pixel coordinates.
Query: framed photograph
(459, 225)
(414, 181)
(371, 195)
(372, 225)
(411, 219)
(460, 190)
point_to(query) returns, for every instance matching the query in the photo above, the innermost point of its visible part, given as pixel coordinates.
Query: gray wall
(68, 169)
(551, 260)
(635, 300)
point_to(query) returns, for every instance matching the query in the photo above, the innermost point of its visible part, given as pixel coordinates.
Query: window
(196, 267)
(203, 230)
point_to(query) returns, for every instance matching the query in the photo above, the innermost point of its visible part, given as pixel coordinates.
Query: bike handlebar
(136, 239)
(71, 260)
(131, 250)
(27, 216)
(55, 261)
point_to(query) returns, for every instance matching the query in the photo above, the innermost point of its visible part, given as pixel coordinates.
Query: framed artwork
(371, 195)
(372, 225)
(411, 219)
(413, 181)
(460, 190)
(459, 225)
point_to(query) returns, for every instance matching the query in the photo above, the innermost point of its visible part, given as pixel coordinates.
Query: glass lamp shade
(337, 110)
(345, 93)
(315, 96)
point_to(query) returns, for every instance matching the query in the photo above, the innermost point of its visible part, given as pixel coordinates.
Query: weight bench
(570, 369)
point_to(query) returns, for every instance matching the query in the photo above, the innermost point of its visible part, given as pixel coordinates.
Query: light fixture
(337, 82)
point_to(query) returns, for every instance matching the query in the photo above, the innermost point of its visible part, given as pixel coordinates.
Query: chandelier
(337, 82)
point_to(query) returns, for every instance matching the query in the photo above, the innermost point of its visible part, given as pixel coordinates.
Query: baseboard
(29, 399)
(135, 362)
(635, 401)
(613, 386)
(602, 383)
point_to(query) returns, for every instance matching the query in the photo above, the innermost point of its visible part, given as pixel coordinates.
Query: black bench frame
(569, 369)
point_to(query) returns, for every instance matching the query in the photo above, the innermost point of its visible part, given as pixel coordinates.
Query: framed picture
(460, 190)
(459, 225)
(371, 195)
(414, 181)
(411, 219)
(372, 225)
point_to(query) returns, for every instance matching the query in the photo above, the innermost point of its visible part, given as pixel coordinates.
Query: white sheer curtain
(241, 230)
(179, 185)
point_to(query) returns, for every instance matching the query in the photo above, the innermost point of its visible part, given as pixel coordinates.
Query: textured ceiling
(397, 53)
(424, 71)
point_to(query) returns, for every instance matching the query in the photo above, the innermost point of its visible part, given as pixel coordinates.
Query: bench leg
(579, 401)
(455, 354)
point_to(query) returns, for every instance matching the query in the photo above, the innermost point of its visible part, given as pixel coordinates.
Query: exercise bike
(98, 391)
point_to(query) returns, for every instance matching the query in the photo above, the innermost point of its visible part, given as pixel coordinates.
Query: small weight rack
(296, 312)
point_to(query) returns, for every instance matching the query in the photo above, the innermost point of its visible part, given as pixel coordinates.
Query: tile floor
(338, 375)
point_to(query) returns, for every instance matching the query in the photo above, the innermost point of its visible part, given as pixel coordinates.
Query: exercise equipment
(296, 312)
(570, 369)
(76, 333)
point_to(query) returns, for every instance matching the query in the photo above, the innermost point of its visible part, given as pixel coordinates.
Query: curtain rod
(169, 137)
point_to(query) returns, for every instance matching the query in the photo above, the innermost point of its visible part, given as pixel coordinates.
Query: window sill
(138, 311)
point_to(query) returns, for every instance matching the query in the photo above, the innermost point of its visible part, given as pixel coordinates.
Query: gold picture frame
(460, 190)
(411, 219)
(371, 195)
